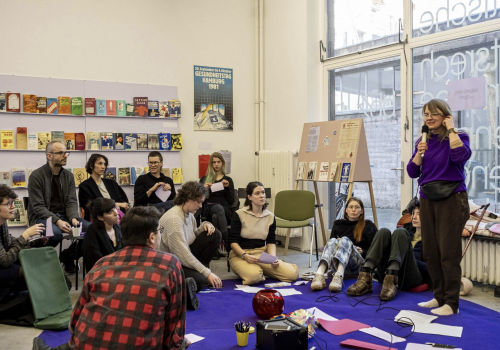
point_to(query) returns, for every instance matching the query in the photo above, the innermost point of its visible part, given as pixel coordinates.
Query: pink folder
(342, 327)
(356, 344)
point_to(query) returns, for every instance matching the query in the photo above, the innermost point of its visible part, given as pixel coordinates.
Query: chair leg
(311, 249)
(288, 233)
(316, 236)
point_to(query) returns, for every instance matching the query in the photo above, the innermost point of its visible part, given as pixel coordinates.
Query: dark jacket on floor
(98, 244)
(89, 191)
(345, 228)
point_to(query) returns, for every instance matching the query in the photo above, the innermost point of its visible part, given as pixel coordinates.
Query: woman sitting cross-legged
(104, 235)
(252, 233)
(396, 262)
(345, 251)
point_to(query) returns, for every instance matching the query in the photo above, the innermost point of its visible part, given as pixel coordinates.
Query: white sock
(321, 269)
(444, 310)
(429, 304)
(340, 269)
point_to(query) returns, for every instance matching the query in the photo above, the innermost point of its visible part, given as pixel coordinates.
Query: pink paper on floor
(356, 344)
(342, 327)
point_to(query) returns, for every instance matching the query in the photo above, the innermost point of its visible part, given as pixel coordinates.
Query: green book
(130, 110)
(121, 108)
(76, 106)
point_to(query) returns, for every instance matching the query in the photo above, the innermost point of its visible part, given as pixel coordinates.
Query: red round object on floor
(267, 303)
(420, 288)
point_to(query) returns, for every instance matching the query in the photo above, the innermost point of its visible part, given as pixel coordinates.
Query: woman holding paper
(97, 186)
(252, 240)
(345, 251)
(217, 207)
(104, 235)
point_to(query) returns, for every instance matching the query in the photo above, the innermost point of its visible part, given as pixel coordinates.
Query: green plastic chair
(47, 288)
(295, 209)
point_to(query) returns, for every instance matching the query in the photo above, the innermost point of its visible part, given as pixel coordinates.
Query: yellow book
(80, 175)
(165, 171)
(176, 142)
(7, 137)
(43, 140)
(177, 175)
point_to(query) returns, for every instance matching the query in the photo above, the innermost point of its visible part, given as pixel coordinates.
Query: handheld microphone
(425, 130)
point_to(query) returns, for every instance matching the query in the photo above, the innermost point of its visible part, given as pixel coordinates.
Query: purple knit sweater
(441, 163)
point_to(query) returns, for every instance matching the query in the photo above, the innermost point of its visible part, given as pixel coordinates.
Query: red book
(141, 106)
(79, 141)
(110, 107)
(13, 100)
(90, 106)
(203, 160)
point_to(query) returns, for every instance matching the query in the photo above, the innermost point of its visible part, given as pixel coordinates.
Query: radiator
(276, 171)
(480, 255)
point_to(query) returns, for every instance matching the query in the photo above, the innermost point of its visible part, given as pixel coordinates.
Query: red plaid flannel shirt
(134, 298)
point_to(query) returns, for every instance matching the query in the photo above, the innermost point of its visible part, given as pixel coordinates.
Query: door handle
(402, 172)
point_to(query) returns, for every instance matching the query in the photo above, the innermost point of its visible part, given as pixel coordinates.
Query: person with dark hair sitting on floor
(104, 235)
(134, 298)
(195, 247)
(98, 186)
(397, 258)
(253, 232)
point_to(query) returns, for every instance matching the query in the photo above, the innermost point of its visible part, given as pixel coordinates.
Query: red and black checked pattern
(134, 298)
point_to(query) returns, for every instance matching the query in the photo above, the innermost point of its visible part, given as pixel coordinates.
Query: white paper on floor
(439, 329)
(382, 335)
(193, 338)
(320, 314)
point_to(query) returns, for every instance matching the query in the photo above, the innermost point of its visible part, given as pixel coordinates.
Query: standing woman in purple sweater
(444, 206)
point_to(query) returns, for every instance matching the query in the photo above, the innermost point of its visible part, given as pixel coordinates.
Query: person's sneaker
(39, 344)
(363, 285)
(390, 286)
(192, 300)
(69, 267)
(336, 283)
(318, 282)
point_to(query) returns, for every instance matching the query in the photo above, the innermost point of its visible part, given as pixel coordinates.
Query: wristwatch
(243, 256)
(451, 130)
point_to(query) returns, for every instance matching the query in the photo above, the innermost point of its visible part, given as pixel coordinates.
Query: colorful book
(121, 108)
(153, 109)
(90, 106)
(136, 171)
(111, 107)
(77, 105)
(119, 141)
(94, 140)
(80, 141)
(165, 141)
(177, 175)
(100, 107)
(130, 110)
(43, 140)
(29, 103)
(146, 169)
(153, 143)
(176, 142)
(131, 142)
(174, 108)
(141, 106)
(64, 103)
(13, 100)
(165, 171)
(142, 141)
(324, 168)
(57, 136)
(163, 109)
(301, 171)
(22, 138)
(41, 105)
(5, 178)
(110, 173)
(345, 172)
(69, 141)
(107, 140)
(18, 177)
(80, 175)
(3, 103)
(124, 176)
(333, 171)
(7, 139)
(19, 218)
(52, 106)
(33, 141)
(311, 172)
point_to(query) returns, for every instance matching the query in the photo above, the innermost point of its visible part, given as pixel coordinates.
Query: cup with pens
(242, 331)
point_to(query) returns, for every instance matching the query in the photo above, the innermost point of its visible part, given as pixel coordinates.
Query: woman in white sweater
(194, 246)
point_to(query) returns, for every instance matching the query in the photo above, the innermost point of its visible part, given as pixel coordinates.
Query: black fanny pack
(439, 190)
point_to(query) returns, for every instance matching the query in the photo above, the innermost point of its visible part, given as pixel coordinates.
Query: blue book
(52, 106)
(165, 141)
(131, 142)
(174, 108)
(107, 140)
(136, 171)
(100, 106)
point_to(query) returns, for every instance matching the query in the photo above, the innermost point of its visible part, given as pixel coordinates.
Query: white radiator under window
(481, 254)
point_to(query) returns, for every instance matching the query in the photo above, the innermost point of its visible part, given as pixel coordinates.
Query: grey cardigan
(40, 192)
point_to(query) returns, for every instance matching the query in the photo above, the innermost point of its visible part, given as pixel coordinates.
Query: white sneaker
(318, 282)
(336, 284)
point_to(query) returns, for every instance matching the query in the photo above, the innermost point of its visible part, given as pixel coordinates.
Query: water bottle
(485, 286)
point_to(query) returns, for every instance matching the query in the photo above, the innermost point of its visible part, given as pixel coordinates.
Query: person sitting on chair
(345, 251)
(217, 207)
(104, 235)
(97, 186)
(195, 247)
(397, 258)
(253, 233)
(134, 298)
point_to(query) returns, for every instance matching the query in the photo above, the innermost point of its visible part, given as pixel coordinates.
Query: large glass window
(459, 71)
(433, 16)
(357, 25)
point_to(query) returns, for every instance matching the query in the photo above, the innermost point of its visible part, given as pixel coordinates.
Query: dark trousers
(203, 248)
(220, 216)
(442, 225)
(396, 247)
(165, 206)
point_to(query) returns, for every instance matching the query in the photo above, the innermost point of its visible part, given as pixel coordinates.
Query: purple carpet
(218, 312)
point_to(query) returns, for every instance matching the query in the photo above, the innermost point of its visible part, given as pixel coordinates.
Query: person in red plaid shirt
(134, 298)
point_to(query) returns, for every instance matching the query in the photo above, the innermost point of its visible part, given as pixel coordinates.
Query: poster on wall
(213, 99)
